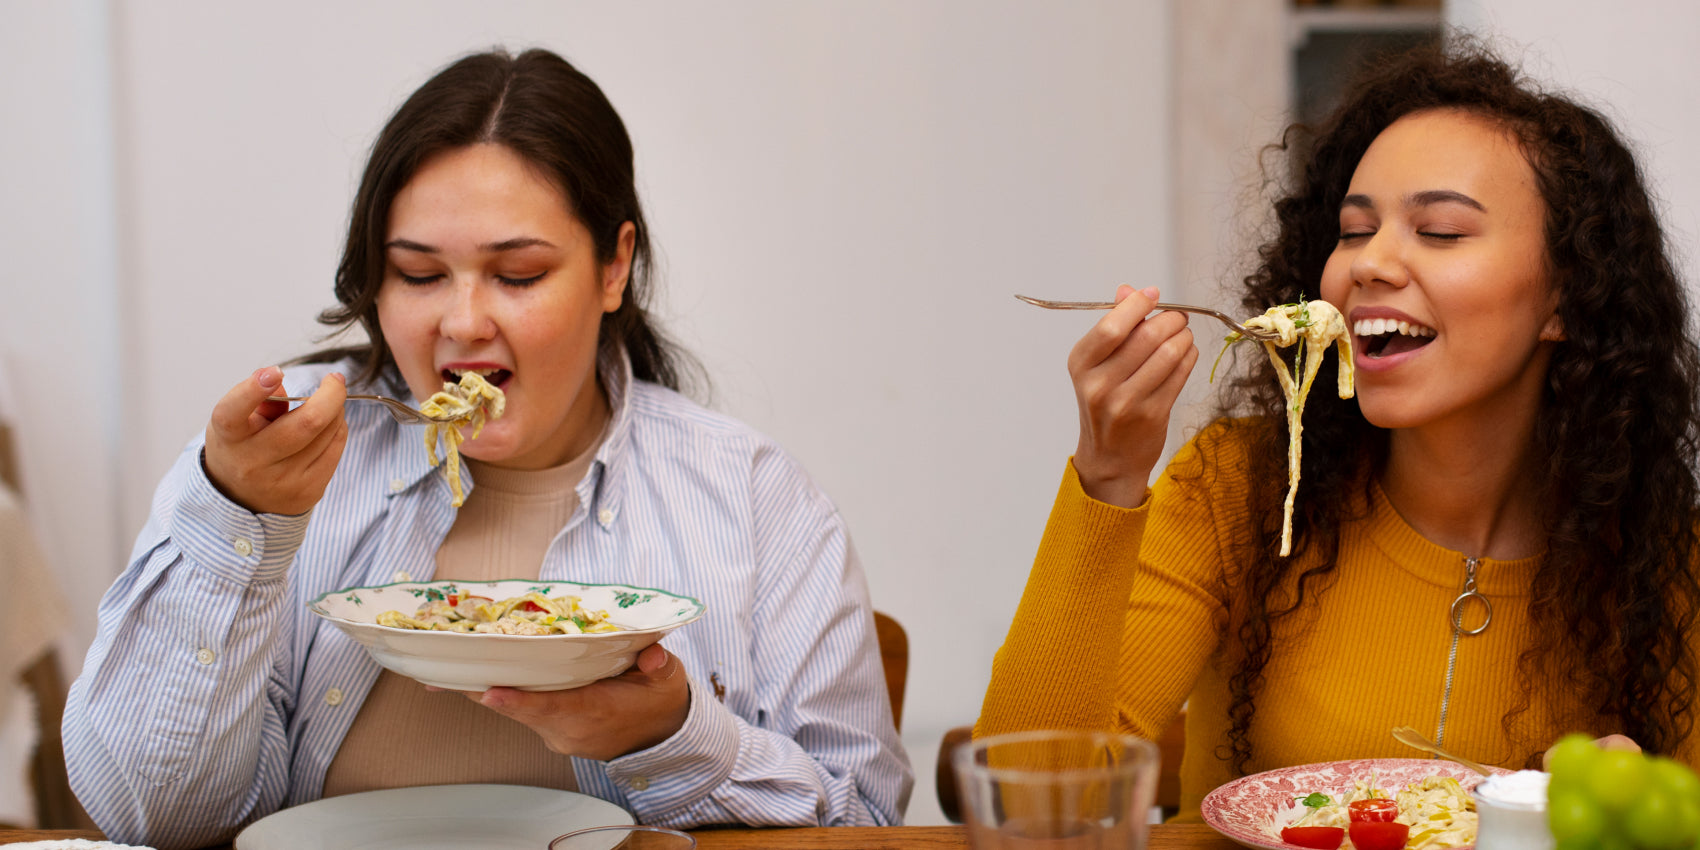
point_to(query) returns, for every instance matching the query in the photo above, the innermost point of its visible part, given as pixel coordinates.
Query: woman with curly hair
(1494, 542)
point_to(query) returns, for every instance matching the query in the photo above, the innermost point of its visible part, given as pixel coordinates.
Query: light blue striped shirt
(212, 697)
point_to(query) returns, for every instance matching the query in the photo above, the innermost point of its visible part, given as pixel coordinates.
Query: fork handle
(1108, 305)
(358, 396)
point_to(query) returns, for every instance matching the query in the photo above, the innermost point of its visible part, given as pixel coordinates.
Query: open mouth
(496, 377)
(1379, 338)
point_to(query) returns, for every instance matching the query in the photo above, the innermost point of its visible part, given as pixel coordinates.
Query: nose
(1381, 260)
(466, 315)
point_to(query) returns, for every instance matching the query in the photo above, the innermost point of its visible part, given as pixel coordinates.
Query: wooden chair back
(55, 806)
(894, 655)
(1169, 748)
(9, 474)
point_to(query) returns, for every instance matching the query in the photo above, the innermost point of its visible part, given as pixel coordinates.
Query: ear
(1553, 330)
(617, 273)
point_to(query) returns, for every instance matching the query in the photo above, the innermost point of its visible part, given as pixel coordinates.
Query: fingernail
(339, 376)
(1149, 292)
(269, 377)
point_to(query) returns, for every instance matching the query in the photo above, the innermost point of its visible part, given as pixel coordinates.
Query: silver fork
(402, 413)
(1238, 328)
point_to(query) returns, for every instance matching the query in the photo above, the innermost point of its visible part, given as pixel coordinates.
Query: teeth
(1377, 327)
(482, 373)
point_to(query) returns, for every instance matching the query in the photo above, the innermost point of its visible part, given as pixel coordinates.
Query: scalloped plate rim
(317, 607)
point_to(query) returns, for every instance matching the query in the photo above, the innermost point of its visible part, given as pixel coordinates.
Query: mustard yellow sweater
(1121, 623)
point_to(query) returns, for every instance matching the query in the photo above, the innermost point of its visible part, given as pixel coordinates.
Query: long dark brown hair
(542, 108)
(1614, 598)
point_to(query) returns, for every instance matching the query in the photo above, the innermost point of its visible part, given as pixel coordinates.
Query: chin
(1384, 416)
(486, 450)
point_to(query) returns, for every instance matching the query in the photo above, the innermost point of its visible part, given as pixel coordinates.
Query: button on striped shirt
(212, 696)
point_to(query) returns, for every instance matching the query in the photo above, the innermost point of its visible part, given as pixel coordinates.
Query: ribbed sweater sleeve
(1124, 608)
(1057, 667)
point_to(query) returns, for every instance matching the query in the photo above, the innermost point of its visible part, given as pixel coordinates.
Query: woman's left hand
(604, 720)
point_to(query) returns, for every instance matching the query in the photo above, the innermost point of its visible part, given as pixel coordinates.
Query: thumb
(654, 660)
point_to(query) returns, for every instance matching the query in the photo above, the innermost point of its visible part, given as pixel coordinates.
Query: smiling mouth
(496, 377)
(1379, 338)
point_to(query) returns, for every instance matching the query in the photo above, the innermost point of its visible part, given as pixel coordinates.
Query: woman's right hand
(1127, 372)
(269, 459)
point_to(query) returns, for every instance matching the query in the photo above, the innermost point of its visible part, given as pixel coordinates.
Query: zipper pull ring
(1470, 592)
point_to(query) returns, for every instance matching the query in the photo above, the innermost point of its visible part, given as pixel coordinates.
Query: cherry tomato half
(1375, 835)
(1318, 837)
(1373, 810)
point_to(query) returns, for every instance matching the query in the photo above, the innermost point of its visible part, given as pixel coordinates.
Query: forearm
(1057, 667)
(174, 731)
(721, 769)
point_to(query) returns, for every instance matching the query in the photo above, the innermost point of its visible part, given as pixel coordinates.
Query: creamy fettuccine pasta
(1311, 327)
(531, 614)
(470, 403)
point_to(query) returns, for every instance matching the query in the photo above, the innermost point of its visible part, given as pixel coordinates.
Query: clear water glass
(1057, 790)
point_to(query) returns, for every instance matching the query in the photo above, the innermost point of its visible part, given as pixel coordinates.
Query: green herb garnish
(1312, 802)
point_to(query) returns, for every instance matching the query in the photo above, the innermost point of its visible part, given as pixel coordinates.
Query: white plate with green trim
(450, 817)
(477, 662)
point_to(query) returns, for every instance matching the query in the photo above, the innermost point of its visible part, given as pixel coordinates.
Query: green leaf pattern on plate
(627, 599)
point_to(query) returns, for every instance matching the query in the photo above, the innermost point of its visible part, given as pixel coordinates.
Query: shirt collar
(600, 491)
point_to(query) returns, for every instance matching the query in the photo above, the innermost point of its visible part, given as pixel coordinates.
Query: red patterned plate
(1244, 810)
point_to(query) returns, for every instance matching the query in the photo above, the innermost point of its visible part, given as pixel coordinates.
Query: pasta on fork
(470, 403)
(1310, 326)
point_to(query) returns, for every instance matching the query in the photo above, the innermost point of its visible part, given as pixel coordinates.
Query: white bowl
(477, 662)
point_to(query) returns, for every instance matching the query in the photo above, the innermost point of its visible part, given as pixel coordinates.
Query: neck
(1467, 487)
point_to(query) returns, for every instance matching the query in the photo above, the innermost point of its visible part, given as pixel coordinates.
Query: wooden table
(1163, 837)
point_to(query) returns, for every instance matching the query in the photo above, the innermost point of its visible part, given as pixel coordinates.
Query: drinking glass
(624, 838)
(1057, 790)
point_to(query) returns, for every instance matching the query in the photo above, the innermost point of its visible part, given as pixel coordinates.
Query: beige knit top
(405, 735)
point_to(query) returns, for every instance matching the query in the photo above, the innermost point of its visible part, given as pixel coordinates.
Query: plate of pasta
(530, 634)
(1430, 796)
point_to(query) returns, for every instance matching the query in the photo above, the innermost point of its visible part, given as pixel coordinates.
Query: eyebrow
(1420, 199)
(493, 247)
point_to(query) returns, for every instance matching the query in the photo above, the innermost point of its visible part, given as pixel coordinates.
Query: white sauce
(1523, 788)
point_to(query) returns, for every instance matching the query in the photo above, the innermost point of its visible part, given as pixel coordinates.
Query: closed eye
(521, 281)
(1442, 237)
(419, 280)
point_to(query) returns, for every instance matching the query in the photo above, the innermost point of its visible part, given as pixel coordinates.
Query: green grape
(1655, 822)
(1688, 815)
(1577, 843)
(1619, 778)
(1572, 816)
(1676, 778)
(1611, 839)
(1572, 757)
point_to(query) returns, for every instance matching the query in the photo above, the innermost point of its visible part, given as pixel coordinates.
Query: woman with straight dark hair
(496, 231)
(1494, 541)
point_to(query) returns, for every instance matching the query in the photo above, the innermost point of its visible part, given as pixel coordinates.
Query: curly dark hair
(1614, 598)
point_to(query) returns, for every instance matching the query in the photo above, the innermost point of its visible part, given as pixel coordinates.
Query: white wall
(60, 336)
(845, 196)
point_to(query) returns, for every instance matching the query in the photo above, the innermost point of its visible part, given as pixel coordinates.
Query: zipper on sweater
(1458, 631)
